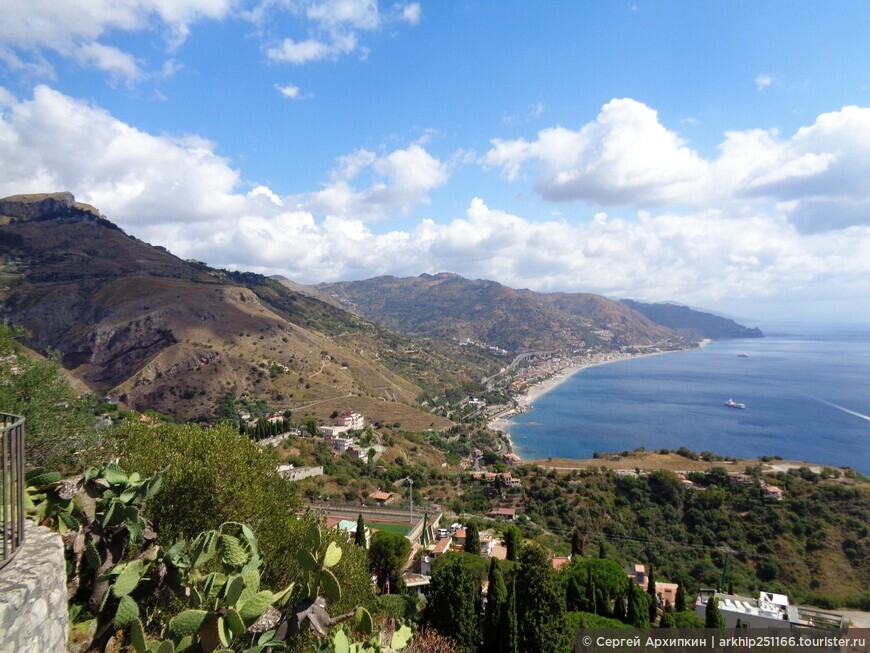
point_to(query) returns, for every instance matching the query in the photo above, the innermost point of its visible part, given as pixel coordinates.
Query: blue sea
(807, 396)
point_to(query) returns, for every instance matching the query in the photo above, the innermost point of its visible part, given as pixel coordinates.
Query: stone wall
(33, 609)
(298, 473)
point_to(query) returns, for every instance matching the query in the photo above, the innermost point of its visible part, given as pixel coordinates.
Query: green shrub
(211, 476)
(215, 475)
(59, 431)
(859, 601)
(688, 619)
(397, 606)
(588, 620)
(823, 600)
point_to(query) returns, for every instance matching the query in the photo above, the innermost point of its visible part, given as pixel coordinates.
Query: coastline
(525, 401)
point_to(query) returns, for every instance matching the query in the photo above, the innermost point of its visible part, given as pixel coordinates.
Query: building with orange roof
(559, 562)
(382, 498)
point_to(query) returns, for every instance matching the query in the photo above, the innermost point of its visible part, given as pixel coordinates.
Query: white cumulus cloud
(334, 27)
(32, 33)
(56, 142)
(74, 28)
(626, 157)
(625, 153)
(301, 52)
(400, 180)
(177, 192)
(410, 13)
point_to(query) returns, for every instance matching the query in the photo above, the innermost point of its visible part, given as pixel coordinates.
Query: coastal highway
(519, 358)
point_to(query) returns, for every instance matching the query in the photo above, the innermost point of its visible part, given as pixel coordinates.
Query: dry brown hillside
(142, 325)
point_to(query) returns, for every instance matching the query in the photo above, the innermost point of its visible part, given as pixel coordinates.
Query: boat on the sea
(743, 355)
(734, 404)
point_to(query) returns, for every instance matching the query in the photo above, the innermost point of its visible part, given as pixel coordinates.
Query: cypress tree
(576, 543)
(668, 619)
(541, 618)
(601, 607)
(573, 594)
(590, 598)
(602, 553)
(510, 642)
(496, 600)
(680, 601)
(452, 605)
(619, 607)
(360, 537)
(651, 590)
(637, 614)
(712, 617)
(472, 540)
(512, 540)
(589, 603)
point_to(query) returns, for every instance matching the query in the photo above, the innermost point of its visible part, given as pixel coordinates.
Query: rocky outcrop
(42, 206)
(118, 352)
(193, 363)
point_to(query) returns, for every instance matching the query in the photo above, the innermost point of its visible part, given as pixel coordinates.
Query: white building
(329, 432)
(340, 444)
(351, 420)
(769, 610)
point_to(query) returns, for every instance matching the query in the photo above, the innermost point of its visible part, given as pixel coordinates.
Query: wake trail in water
(838, 407)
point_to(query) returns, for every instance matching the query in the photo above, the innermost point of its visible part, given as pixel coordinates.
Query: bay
(807, 395)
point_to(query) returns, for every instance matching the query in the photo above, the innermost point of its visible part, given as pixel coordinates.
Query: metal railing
(11, 486)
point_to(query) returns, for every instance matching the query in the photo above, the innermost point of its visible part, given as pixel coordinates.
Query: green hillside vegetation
(60, 423)
(812, 545)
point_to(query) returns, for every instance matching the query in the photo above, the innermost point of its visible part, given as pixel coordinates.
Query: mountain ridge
(693, 322)
(162, 333)
(448, 305)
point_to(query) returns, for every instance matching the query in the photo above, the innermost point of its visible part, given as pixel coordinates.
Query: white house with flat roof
(769, 610)
(351, 420)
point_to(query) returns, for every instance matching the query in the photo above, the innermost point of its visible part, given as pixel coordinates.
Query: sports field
(392, 527)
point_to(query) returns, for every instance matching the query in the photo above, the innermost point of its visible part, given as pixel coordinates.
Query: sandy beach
(525, 401)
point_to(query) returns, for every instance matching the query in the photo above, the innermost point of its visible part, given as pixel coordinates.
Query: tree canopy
(512, 540)
(495, 620)
(472, 540)
(387, 556)
(454, 601)
(540, 603)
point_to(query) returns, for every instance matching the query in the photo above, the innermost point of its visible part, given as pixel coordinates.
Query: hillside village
(505, 500)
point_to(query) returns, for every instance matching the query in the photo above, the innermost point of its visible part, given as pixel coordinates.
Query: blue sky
(713, 153)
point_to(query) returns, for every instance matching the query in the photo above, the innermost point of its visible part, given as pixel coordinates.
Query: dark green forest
(813, 544)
